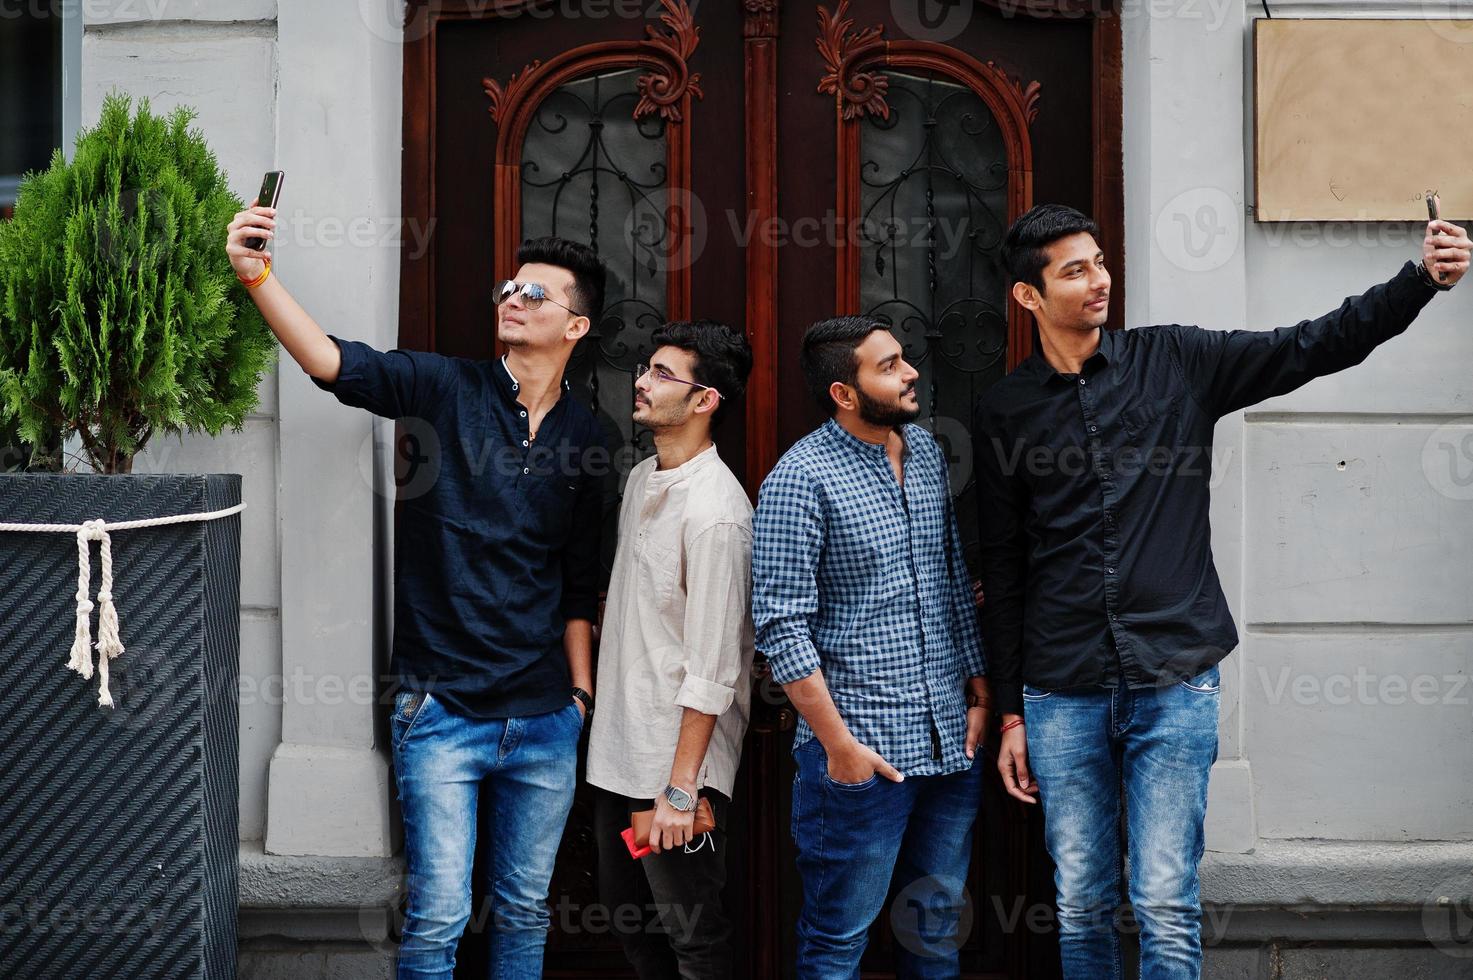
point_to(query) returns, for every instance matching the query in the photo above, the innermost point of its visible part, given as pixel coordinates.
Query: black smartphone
(1433, 213)
(270, 194)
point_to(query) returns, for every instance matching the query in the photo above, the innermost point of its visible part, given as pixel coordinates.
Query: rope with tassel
(109, 643)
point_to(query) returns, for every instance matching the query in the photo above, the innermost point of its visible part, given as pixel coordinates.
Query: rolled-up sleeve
(718, 588)
(787, 539)
(395, 384)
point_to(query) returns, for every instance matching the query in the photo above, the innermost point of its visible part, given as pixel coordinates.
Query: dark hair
(583, 262)
(828, 354)
(1023, 252)
(723, 358)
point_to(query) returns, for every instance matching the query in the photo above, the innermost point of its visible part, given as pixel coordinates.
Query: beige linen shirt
(677, 627)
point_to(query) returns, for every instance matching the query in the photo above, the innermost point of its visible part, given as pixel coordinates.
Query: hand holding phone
(246, 236)
(270, 194)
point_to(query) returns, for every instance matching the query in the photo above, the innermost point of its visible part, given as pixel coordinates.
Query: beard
(664, 417)
(888, 414)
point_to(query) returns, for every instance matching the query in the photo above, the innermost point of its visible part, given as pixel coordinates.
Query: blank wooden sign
(1355, 119)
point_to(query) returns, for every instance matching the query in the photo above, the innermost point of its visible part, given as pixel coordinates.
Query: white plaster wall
(1339, 574)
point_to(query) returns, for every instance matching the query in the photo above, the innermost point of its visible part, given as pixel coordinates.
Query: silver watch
(680, 799)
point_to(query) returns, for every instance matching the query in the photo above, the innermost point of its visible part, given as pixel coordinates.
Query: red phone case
(636, 853)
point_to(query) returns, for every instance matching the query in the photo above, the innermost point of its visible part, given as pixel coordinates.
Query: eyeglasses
(660, 374)
(532, 295)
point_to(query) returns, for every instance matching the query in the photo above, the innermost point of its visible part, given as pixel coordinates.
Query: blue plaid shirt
(866, 580)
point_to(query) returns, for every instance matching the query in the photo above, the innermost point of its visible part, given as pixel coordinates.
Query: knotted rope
(109, 644)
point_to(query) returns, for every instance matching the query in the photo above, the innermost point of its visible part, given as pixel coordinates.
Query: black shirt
(497, 541)
(1096, 557)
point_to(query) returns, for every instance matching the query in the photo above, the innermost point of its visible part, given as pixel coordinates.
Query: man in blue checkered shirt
(863, 607)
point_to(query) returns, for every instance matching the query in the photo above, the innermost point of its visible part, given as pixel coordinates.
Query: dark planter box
(118, 826)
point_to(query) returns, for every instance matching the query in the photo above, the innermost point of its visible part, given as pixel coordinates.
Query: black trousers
(666, 908)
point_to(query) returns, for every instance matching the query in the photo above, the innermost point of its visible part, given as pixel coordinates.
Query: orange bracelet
(253, 283)
(1012, 724)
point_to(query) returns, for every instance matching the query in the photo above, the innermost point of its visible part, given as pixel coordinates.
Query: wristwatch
(1426, 277)
(680, 799)
(587, 700)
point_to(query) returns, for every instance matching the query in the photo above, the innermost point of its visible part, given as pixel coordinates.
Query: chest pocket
(1152, 419)
(658, 570)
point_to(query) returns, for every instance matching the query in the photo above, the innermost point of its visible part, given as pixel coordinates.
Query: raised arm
(303, 339)
(395, 384)
(1232, 369)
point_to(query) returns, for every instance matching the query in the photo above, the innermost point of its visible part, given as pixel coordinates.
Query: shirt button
(1109, 571)
(1115, 617)
(1094, 428)
(525, 471)
(524, 442)
(1082, 381)
(524, 415)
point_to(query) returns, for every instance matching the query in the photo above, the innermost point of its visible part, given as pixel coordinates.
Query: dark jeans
(665, 908)
(1157, 746)
(855, 840)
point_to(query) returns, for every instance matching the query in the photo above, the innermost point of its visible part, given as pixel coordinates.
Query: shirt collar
(659, 477)
(1039, 367)
(847, 438)
(509, 384)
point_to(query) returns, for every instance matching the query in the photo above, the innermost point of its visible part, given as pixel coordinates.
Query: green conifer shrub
(120, 316)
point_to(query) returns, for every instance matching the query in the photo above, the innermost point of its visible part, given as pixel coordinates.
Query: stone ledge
(1319, 874)
(273, 881)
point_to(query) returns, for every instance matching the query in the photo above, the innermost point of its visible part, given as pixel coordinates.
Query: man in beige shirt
(675, 661)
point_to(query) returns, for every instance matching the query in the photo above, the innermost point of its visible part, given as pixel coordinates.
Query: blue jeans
(1159, 745)
(530, 767)
(851, 838)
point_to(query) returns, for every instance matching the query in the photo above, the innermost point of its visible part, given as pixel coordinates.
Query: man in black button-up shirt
(496, 587)
(1103, 615)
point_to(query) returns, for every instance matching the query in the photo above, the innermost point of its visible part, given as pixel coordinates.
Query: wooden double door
(765, 163)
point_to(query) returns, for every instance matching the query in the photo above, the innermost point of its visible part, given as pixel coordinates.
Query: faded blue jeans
(853, 839)
(530, 767)
(1158, 745)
